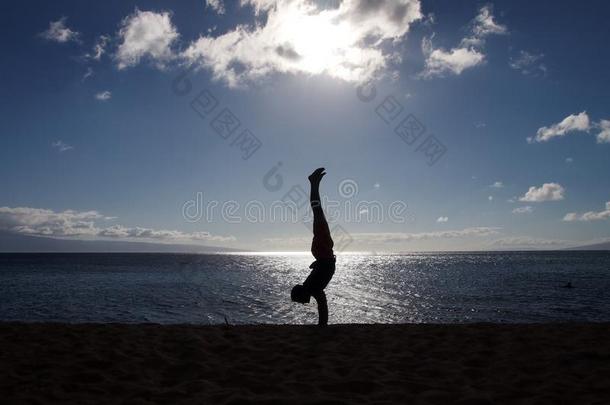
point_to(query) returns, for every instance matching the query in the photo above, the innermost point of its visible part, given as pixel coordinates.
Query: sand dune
(361, 364)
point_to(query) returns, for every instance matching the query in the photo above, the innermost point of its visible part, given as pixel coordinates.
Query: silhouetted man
(323, 268)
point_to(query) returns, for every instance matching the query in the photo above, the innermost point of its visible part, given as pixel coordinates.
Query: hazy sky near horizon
(486, 126)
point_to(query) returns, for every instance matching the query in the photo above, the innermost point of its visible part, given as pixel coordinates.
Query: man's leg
(322, 245)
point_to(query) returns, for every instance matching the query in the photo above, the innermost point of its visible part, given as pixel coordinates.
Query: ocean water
(255, 288)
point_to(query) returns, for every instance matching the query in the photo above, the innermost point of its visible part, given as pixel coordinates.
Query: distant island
(15, 243)
(597, 246)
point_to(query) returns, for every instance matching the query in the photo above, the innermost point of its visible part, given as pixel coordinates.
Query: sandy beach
(419, 364)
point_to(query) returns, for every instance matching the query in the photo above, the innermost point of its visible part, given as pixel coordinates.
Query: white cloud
(547, 192)
(589, 216)
(99, 48)
(429, 20)
(604, 135)
(260, 6)
(530, 243)
(528, 209)
(571, 216)
(397, 237)
(497, 184)
(103, 95)
(490, 198)
(569, 160)
(121, 232)
(442, 219)
(484, 24)
(146, 34)
(394, 237)
(61, 146)
(294, 241)
(301, 37)
(572, 123)
(440, 62)
(58, 32)
(528, 63)
(75, 224)
(217, 5)
(35, 221)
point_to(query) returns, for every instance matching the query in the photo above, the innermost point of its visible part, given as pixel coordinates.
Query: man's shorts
(320, 276)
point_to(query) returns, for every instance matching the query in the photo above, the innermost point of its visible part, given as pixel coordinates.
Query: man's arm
(322, 308)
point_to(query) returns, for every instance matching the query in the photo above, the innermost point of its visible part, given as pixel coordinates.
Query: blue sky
(97, 144)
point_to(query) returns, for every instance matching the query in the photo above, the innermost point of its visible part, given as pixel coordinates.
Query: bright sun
(321, 43)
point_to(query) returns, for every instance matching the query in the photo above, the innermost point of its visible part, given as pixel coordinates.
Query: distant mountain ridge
(14, 243)
(596, 246)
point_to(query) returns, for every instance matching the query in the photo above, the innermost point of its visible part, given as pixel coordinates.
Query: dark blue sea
(255, 288)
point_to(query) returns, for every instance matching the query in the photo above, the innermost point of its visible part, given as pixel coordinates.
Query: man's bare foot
(317, 175)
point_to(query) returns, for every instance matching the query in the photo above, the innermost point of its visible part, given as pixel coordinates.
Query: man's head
(300, 294)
